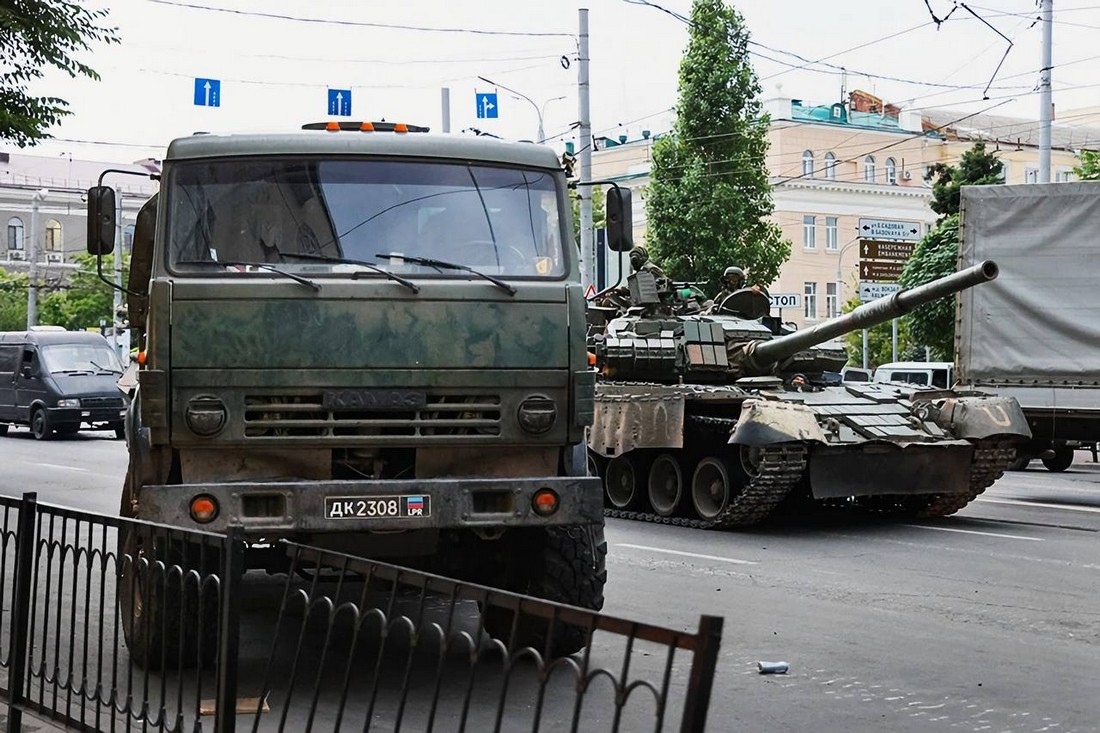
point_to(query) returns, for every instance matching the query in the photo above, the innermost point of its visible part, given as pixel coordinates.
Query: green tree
(976, 167)
(34, 35)
(599, 211)
(709, 196)
(13, 301)
(880, 346)
(1088, 165)
(86, 300)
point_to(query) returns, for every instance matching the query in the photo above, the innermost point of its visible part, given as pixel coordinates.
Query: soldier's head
(638, 256)
(733, 278)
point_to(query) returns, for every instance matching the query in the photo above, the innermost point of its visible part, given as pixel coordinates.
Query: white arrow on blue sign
(208, 92)
(486, 105)
(339, 102)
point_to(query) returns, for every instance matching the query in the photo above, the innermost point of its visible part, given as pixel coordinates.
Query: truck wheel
(120, 430)
(1063, 459)
(40, 425)
(565, 565)
(169, 618)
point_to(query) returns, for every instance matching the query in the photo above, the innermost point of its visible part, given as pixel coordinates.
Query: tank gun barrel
(766, 353)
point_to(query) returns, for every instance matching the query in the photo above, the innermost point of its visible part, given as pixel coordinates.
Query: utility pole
(1046, 105)
(32, 259)
(587, 254)
(445, 101)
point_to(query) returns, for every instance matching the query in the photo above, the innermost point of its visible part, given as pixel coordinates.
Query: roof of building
(60, 172)
(1011, 130)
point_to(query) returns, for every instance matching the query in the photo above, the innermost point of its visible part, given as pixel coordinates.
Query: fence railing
(116, 623)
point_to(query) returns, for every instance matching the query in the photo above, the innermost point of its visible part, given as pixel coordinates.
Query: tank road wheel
(564, 564)
(666, 484)
(1020, 463)
(621, 481)
(1062, 459)
(711, 488)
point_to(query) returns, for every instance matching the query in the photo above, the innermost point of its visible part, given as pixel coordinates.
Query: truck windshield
(501, 221)
(70, 358)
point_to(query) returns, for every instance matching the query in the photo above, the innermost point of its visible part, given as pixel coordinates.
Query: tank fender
(975, 418)
(765, 423)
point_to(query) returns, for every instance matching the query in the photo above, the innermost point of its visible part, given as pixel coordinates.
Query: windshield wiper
(261, 265)
(444, 265)
(104, 369)
(351, 261)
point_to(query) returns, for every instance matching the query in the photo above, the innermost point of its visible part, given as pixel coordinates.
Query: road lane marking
(63, 468)
(974, 531)
(732, 560)
(1044, 504)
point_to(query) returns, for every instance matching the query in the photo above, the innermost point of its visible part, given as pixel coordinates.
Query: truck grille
(269, 416)
(94, 402)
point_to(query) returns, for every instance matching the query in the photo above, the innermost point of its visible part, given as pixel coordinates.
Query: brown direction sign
(881, 271)
(894, 251)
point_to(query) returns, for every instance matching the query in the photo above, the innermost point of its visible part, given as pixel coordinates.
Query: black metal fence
(113, 624)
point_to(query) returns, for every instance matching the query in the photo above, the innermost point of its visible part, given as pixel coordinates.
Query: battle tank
(711, 417)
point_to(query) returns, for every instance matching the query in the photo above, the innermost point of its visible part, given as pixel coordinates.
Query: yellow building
(834, 167)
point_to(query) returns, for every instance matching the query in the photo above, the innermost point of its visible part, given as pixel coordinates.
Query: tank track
(781, 468)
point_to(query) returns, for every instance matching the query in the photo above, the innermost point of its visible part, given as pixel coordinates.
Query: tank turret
(658, 339)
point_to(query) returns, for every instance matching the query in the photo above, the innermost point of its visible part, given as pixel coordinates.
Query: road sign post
(208, 92)
(889, 230)
(486, 105)
(339, 102)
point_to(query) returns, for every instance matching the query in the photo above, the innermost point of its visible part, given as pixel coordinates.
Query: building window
(809, 231)
(1031, 175)
(808, 163)
(869, 169)
(53, 236)
(891, 172)
(128, 237)
(811, 300)
(830, 233)
(1004, 171)
(831, 309)
(1063, 175)
(15, 233)
(830, 166)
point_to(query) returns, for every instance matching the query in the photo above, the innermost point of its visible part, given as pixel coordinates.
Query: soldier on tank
(639, 261)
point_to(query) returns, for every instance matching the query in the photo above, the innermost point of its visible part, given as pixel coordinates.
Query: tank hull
(726, 456)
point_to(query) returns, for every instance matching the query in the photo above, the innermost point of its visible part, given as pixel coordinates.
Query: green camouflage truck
(365, 338)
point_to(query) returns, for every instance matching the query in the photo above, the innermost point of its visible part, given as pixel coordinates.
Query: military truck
(368, 338)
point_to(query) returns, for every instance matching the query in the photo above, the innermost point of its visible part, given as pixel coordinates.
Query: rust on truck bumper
(274, 508)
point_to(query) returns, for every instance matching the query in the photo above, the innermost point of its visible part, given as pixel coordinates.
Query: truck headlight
(206, 415)
(537, 414)
(71, 402)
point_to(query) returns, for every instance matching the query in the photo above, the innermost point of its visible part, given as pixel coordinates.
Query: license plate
(403, 506)
(373, 399)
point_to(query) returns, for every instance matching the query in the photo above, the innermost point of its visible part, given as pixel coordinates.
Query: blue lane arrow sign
(339, 102)
(486, 105)
(208, 92)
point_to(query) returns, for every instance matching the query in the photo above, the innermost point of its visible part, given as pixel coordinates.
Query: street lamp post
(540, 111)
(32, 258)
(840, 289)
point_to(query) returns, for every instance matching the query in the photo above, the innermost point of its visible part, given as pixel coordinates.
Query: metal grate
(102, 402)
(269, 416)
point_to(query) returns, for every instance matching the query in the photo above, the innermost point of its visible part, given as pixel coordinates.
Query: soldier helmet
(639, 255)
(733, 278)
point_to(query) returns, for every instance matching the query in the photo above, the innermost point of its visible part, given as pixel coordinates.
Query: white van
(923, 373)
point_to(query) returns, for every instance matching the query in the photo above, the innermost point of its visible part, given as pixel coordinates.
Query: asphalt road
(988, 620)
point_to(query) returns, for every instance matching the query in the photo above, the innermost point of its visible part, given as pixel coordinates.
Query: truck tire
(565, 565)
(169, 619)
(1063, 459)
(40, 424)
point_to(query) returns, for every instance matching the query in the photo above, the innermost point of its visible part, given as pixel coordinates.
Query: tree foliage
(880, 344)
(86, 300)
(1088, 165)
(599, 212)
(709, 196)
(35, 35)
(13, 301)
(976, 167)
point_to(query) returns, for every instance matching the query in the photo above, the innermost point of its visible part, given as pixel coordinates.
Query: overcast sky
(275, 72)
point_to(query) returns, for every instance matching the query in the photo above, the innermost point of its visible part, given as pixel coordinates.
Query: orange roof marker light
(333, 126)
(400, 127)
(367, 127)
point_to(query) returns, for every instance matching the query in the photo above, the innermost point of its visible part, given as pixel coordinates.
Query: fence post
(233, 548)
(703, 667)
(21, 607)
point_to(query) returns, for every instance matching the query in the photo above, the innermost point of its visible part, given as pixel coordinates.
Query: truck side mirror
(620, 220)
(101, 220)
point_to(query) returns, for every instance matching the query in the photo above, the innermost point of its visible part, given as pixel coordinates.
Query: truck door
(29, 384)
(9, 365)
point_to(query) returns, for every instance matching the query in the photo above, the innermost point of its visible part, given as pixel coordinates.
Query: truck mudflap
(276, 507)
(765, 423)
(875, 468)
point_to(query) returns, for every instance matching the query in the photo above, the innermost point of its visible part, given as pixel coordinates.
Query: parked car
(855, 374)
(58, 381)
(923, 373)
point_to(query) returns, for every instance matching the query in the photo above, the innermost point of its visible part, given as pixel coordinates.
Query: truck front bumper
(276, 508)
